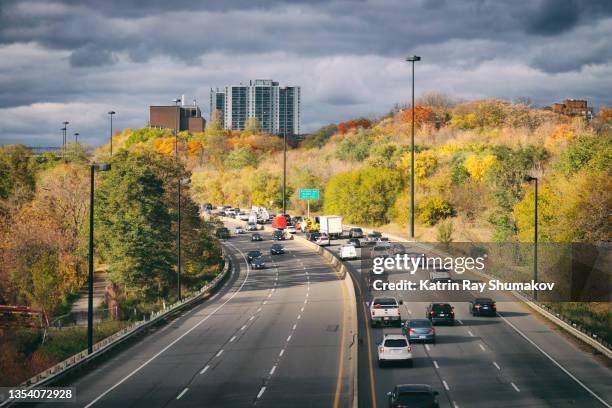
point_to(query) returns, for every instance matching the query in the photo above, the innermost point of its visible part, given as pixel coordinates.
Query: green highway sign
(309, 193)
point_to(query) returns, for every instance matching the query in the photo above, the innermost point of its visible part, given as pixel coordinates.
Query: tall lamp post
(412, 59)
(65, 129)
(285, 156)
(178, 233)
(93, 168)
(535, 234)
(76, 137)
(111, 113)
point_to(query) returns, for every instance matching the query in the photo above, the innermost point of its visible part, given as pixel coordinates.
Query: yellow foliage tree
(164, 145)
(478, 166)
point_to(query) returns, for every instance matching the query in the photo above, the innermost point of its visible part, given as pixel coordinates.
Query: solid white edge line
(523, 335)
(182, 393)
(263, 389)
(205, 369)
(515, 387)
(140, 367)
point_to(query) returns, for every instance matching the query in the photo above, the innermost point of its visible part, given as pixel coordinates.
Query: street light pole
(76, 137)
(65, 129)
(90, 279)
(535, 235)
(111, 113)
(412, 59)
(285, 156)
(178, 233)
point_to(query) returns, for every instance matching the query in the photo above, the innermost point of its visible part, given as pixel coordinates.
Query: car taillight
(432, 313)
(400, 406)
(376, 306)
(373, 313)
(412, 331)
(409, 349)
(432, 331)
(476, 306)
(452, 313)
(381, 349)
(493, 305)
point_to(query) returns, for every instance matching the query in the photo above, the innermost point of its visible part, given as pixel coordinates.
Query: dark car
(277, 249)
(413, 396)
(258, 263)
(440, 313)
(278, 235)
(313, 235)
(253, 254)
(222, 233)
(355, 233)
(483, 307)
(373, 277)
(354, 242)
(208, 207)
(256, 237)
(420, 330)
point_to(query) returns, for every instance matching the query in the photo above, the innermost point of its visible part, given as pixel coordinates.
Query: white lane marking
(289, 338)
(281, 353)
(427, 347)
(265, 302)
(205, 369)
(470, 333)
(272, 370)
(299, 317)
(496, 365)
(269, 295)
(232, 339)
(445, 385)
(182, 393)
(251, 318)
(455, 405)
(409, 311)
(481, 347)
(307, 294)
(294, 326)
(305, 301)
(305, 269)
(263, 389)
(515, 387)
(243, 327)
(436, 364)
(259, 310)
(219, 353)
(140, 367)
(523, 335)
(459, 321)
(302, 309)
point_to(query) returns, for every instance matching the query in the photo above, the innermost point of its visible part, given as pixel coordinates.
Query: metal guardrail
(82, 358)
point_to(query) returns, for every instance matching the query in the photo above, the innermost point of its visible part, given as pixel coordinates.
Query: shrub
(433, 209)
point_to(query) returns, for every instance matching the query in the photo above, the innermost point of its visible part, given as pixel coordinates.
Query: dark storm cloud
(90, 55)
(552, 17)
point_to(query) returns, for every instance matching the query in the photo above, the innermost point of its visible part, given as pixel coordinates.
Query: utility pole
(178, 233)
(535, 234)
(412, 59)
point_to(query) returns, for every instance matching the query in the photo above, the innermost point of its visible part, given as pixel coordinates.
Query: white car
(323, 240)
(239, 230)
(348, 252)
(394, 348)
(242, 216)
(291, 229)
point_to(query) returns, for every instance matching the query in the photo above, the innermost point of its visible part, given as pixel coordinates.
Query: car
(373, 277)
(243, 216)
(440, 275)
(230, 213)
(278, 235)
(354, 242)
(440, 313)
(385, 311)
(370, 239)
(253, 254)
(397, 249)
(323, 240)
(208, 207)
(291, 229)
(313, 235)
(355, 233)
(420, 330)
(483, 307)
(394, 348)
(239, 230)
(381, 250)
(251, 226)
(297, 221)
(277, 249)
(258, 263)
(256, 237)
(348, 252)
(222, 233)
(413, 395)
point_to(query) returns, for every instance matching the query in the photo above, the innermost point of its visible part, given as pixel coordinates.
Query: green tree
(354, 148)
(320, 137)
(241, 157)
(592, 152)
(45, 291)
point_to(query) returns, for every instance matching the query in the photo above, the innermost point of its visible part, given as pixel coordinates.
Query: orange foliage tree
(344, 127)
(422, 115)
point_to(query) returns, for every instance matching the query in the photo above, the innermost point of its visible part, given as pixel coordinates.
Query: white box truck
(330, 225)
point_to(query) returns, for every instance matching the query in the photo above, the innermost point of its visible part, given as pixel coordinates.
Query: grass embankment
(593, 317)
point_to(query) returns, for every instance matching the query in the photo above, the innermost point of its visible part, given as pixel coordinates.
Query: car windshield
(385, 302)
(396, 343)
(276, 246)
(415, 398)
(420, 323)
(358, 230)
(441, 308)
(254, 253)
(483, 300)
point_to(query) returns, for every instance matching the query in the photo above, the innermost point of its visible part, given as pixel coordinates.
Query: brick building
(188, 117)
(572, 107)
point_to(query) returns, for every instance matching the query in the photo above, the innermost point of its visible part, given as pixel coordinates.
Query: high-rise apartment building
(277, 108)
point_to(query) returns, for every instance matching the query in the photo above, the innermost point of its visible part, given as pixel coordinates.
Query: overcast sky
(76, 60)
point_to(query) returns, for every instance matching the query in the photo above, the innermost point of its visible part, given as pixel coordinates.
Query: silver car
(420, 330)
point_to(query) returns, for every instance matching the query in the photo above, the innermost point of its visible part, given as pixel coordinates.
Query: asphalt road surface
(512, 360)
(275, 337)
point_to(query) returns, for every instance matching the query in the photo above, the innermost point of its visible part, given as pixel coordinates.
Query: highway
(513, 360)
(272, 337)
